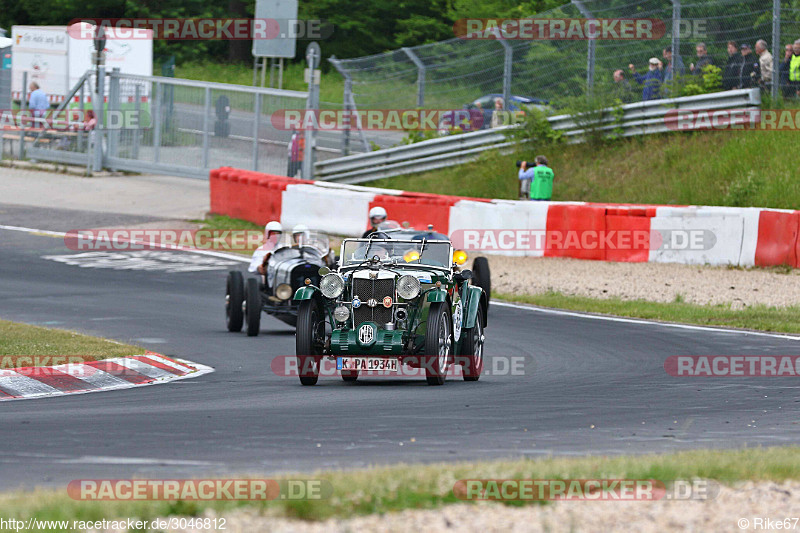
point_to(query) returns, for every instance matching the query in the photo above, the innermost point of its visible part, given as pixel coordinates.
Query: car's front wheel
(309, 341)
(234, 295)
(472, 349)
(350, 375)
(482, 277)
(252, 307)
(438, 343)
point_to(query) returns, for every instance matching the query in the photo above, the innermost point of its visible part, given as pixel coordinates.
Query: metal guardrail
(639, 118)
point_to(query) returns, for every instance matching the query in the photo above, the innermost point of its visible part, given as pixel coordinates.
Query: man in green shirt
(541, 176)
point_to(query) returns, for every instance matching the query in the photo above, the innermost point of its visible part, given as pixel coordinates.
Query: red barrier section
(777, 238)
(418, 210)
(215, 189)
(569, 225)
(628, 238)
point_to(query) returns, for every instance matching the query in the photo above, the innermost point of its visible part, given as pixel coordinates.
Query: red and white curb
(105, 374)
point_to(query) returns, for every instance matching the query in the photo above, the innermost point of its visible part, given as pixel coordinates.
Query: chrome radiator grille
(377, 289)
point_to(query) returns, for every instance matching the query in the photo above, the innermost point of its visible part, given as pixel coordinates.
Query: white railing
(640, 118)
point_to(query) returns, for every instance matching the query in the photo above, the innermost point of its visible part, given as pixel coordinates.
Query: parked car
(474, 118)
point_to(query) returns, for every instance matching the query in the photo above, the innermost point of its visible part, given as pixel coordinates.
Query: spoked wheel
(438, 343)
(472, 349)
(234, 295)
(252, 307)
(309, 341)
(482, 277)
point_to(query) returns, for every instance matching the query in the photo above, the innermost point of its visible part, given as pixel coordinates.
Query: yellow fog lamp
(459, 257)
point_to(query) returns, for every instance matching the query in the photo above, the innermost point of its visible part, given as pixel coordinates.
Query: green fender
(305, 293)
(437, 295)
(476, 299)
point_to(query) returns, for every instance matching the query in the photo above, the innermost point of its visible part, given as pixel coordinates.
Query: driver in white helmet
(300, 235)
(377, 216)
(272, 235)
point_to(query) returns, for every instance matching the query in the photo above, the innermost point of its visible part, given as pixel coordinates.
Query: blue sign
(6, 60)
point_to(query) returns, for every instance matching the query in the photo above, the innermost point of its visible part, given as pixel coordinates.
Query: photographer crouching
(536, 183)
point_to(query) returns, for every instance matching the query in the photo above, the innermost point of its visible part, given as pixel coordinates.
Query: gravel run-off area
(726, 512)
(658, 282)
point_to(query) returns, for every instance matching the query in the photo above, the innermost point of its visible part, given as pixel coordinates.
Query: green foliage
(535, 129)
(597, 112)
(710, 82)
(743, 189)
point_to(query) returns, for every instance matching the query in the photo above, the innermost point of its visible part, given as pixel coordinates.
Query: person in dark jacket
(733, 68)
(750, 74)
(650, 82)
(703, 59)
(783, 71)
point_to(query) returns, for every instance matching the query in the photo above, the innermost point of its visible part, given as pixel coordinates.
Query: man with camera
(536, 183)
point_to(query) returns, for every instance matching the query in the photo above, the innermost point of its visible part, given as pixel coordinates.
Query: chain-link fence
(453, 73)
(166, 125)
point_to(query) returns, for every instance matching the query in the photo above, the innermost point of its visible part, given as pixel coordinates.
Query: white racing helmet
(273, 226)
(377, 215)
(300, 231)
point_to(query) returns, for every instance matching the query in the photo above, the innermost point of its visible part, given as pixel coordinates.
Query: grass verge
(21, 339)
(728, 168)
(758, 317)
(223, 223)
(395, 488)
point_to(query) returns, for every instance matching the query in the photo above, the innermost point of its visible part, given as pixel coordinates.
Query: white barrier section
(501, 215)
(315, 206)
(735, 230)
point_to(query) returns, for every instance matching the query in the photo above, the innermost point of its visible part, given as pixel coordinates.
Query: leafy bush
(710, 82)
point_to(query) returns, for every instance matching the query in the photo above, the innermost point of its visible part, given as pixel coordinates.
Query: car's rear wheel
(482, 276)
(309, 341)
(472, 349)
(234, 295)
(438, 343)
(252, 307)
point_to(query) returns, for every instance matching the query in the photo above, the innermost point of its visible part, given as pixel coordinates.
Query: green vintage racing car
(392, 302)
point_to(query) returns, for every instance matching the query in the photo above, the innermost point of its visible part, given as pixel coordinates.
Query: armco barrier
(606, 232)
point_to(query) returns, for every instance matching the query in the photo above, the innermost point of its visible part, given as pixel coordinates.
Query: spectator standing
(37, 102)
(703, 59)
(750, 74)
(783, 72)
(674, 69)
(296, 153)
(794, 68)
(623, 89)
(651, 82)
(733, 68)
(765, 63)
(542, 176)
(497, 114)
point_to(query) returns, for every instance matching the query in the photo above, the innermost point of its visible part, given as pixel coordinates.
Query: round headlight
(283, 291)
(341, 313)
(408, 287)
(331, 285)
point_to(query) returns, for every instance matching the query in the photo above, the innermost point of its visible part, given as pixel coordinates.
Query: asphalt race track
(591, 386)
